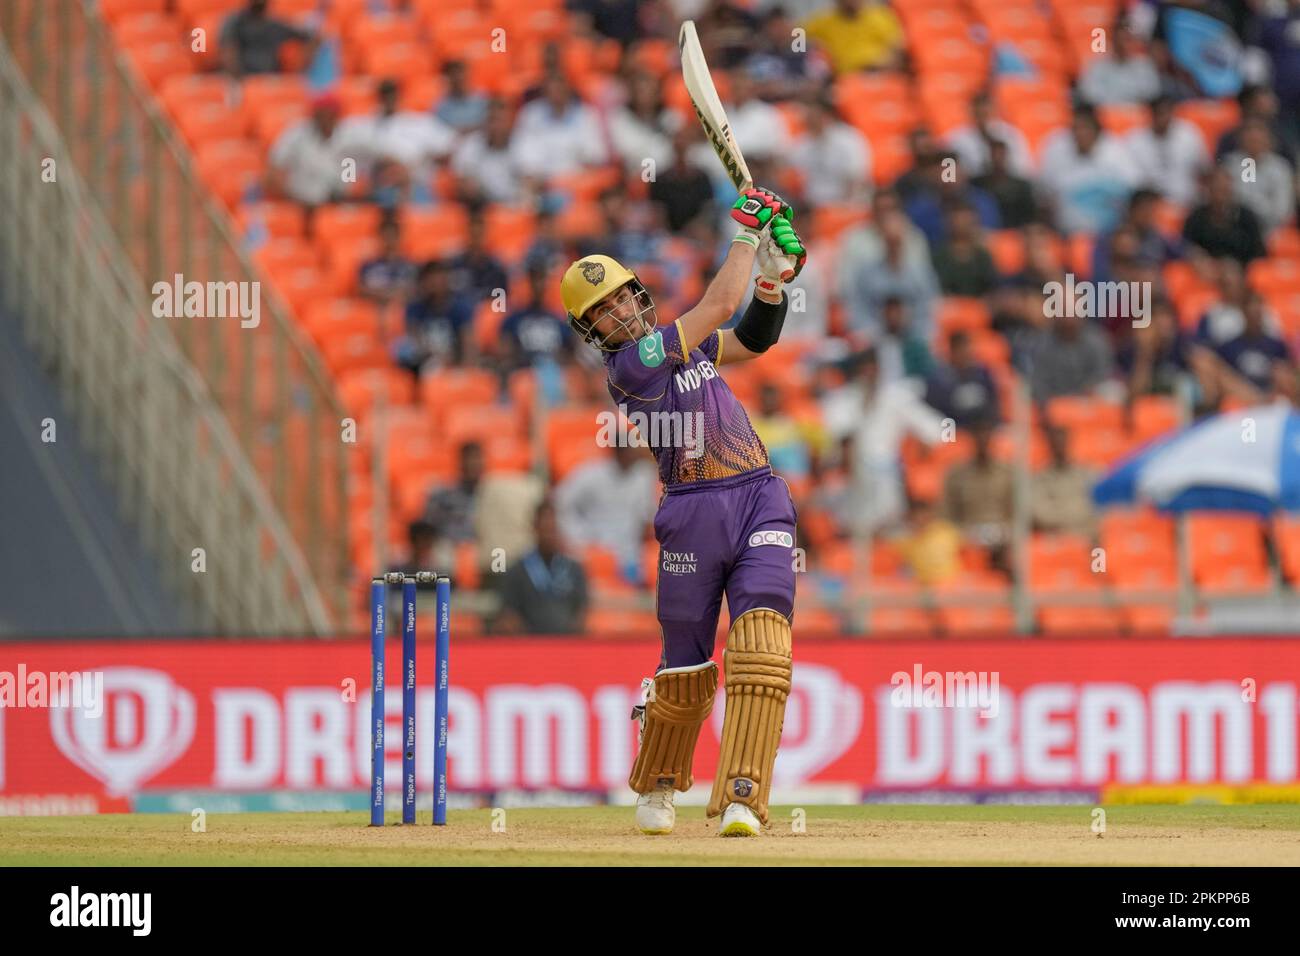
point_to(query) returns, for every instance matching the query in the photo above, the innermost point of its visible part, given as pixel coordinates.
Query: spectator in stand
(1158, 358)
(610, 501)
(973, 144)
(792, 445)
(833, 157)
(460, 107)
(753, 120)
(437, 321)
(1269, 190)
(452, 509)
(1259, 358)
(1126, 75)
(615, 19)
(1152, 247)
(1017, 204)
(870, 417)
(779, 70)
(924, 173)
(901, 351)
(1259, 102)
(928, 208)
(1069, 357)
(859, 35)
(978, 497)
(627, 231)
(428, 548)
(390, 276)
(306, 162)
(1225, 319)
(1169, 154)
(476, 274)
(535, 333)
(1086, 173)
(867, 280)
(544, 592)
(402, 145)
(548, 248)
(931, 546)
(963, 264)
(637, 129)
(963, 388)
(485, 168)
(1221, 226)
(682, 191)
(251, 41)
(1061, 493)
(557, 134)
(1278, 35)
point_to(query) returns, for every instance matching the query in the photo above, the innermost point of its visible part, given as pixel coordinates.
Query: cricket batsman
(726, 523)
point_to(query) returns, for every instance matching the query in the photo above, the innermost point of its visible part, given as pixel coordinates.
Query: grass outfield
(604, 836)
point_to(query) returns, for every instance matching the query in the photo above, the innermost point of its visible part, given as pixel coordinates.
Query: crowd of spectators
(984, 214)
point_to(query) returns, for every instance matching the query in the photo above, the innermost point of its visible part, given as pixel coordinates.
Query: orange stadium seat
(1228, 579)
(900, 622)
(156, 60)
(977, 621)
(278, 219)
(1212, 117)
(400, 59)
(1007, 247)
(116, 10)
(273, 93)
(229, 168)
(1286, 532)
(362, 390)
(1274, 276)
(447, 388)
(1074, 411)
(144, 28)
(1143, 619)
(186, 92)
(205, 122)
(331, 318)
(1057, 620)
(355, 351)
(1218, 542)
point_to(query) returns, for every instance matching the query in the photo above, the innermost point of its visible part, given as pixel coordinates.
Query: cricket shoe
(655, 813)
(739, 821)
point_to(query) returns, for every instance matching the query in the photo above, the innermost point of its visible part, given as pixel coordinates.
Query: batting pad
(678, 701)
(758, 666)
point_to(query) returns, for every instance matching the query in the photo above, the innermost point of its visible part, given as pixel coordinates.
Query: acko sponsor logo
(782, 538)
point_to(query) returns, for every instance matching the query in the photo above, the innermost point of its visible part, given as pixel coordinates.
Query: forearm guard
(760, 326)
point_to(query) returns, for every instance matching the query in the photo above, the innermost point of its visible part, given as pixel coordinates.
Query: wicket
(378, 632)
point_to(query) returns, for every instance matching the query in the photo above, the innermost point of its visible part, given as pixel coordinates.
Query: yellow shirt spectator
(932, 550)
(857, 36)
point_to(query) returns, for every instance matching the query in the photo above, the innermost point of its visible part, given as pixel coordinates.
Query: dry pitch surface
(604, 836)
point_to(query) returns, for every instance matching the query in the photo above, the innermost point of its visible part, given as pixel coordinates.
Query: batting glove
(754, 209)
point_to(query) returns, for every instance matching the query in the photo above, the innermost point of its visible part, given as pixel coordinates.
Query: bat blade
(704, 97)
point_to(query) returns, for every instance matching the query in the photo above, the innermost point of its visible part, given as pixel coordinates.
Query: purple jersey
(679, 403)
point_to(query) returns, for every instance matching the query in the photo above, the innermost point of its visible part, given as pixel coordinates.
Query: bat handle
(787, 268)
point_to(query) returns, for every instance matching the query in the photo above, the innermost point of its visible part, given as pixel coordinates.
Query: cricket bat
(704, 97)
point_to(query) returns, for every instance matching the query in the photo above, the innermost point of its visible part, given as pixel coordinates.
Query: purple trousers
(732, 536)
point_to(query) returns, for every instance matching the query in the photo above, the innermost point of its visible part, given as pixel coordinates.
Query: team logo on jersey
(593, 272)
(783, 538)
(651, 350)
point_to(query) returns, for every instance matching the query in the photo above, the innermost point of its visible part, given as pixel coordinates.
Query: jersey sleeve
(712, 347)
(642, 370)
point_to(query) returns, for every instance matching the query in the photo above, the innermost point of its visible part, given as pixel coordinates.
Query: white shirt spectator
(973, 150)
(496, 170)
(1271, 196)
(635, 141)
(602, 503)
(758, 123)
(313, 165)
(836, 166)
(1088, 189)
(1170, 164)
(877, 422)
(1111, 80)
(546, 143)
(415, 140)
